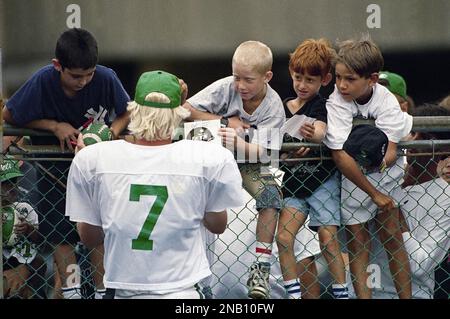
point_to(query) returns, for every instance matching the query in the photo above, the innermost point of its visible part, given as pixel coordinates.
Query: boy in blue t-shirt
(61, 98)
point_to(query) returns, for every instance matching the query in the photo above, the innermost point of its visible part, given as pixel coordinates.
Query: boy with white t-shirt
(365, 197)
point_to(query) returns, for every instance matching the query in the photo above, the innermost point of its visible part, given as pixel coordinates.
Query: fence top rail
(420, 124)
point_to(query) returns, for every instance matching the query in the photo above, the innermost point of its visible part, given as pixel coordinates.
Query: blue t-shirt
(42, 97)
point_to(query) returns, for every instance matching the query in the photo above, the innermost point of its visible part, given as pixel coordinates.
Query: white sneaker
(258, 281)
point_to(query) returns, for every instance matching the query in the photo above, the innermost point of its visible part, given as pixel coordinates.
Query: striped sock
(340, 291)
(71, 292)
(99, 293)
(263, 252)
(293, 289)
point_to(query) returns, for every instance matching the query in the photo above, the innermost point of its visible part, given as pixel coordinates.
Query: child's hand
(229, 137)
(307, 130)
(65, 134)
(80, 143)
(236, 123)
(184, 91)
(23, 228)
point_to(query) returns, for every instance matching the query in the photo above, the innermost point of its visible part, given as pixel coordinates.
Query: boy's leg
(68, 270)
(268, 200)
(392, 240)
(290, 222)
(309, 281)
(332, 253)
(358, 243)
(96, 257)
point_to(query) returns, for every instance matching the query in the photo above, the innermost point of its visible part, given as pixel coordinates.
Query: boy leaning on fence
(367, 196)
(23, 268)
(60, 98)
(246, 102)
(310, 187)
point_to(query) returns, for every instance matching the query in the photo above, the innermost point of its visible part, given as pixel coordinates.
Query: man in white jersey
(148, 200)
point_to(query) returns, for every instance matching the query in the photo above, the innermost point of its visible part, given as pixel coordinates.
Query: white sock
(71, 292)
(340, 291)
(263, 252)
(293, 289)
(99, 293)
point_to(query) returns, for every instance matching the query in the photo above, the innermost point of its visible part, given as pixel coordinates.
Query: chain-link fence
(50, 262)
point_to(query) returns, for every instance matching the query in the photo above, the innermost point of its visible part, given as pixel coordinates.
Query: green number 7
(143, 242)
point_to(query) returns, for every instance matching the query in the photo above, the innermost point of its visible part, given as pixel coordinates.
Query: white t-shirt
(24, 250)
(150, 202)
(221, 98)
(383, 107)
(426, 208)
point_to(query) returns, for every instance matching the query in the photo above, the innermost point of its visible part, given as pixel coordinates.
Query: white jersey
(383, 107)
(426, 208)
(150, 202)
(221, 98)
(24, 250)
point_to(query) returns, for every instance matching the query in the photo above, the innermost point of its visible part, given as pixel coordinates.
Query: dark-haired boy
(366, 197)
(60, 98)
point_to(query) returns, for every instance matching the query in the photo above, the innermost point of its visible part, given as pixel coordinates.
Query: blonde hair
(152, 123)
(361, 56)
(315, 57)
(255, 55)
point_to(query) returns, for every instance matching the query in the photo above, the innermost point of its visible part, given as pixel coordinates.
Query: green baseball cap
(394, 82)
(160, 82)
(9, 169)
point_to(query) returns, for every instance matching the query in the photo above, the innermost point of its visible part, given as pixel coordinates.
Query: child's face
(250, 84)
(306, 86)
(74, 80)
(9, 192)
(352, 86)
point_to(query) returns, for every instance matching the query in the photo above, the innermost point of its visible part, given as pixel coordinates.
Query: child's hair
(254, 54)
(77, 48)
(361, 56)
(152, 123)
(315, 57)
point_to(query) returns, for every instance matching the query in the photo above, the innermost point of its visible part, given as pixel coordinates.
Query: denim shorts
(323, 206)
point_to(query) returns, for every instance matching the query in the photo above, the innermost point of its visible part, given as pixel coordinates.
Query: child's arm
(119, 124)
(235, 143)
(347, 165)
(315, 132)
(28, 230)
(197, 115)
(63, 131)
(391, 154)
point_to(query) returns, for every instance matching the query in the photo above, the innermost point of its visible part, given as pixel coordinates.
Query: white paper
(203, 131)
(292, 126)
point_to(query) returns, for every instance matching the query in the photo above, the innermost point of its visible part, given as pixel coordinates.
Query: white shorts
(357, 206)
(187, 293)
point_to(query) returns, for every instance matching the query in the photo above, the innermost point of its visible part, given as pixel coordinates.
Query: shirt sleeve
(80, 202)
(119, 97)
(339, 124)
(214, 99)
(26, 104)
(225, 186)
(395, 123)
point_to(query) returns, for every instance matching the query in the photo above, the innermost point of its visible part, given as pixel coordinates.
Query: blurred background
(195, 39)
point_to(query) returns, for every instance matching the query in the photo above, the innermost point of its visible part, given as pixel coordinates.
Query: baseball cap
(160, 82)
(394, 82)
(9, 169)
(367, 144)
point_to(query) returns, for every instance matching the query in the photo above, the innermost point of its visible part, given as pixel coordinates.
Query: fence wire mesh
(37, 263)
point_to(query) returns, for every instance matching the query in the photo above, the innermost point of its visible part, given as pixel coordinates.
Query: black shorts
(53, 224)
